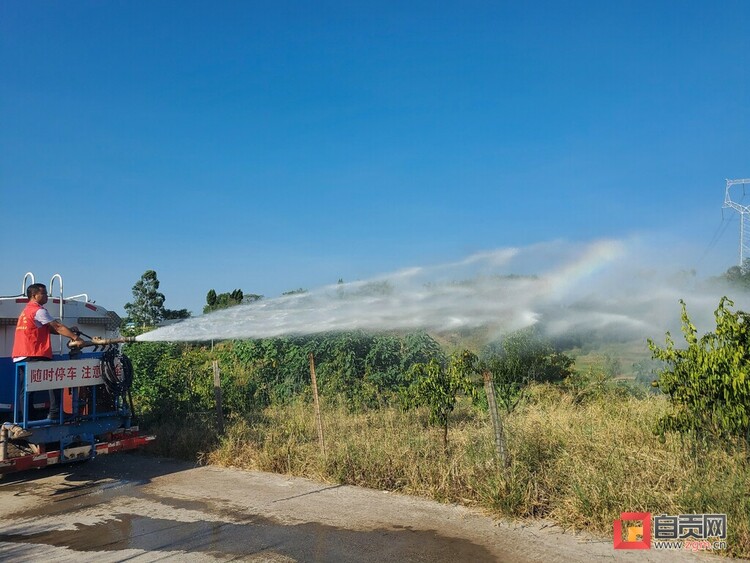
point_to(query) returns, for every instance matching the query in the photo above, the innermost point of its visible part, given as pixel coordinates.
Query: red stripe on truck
(119, 442)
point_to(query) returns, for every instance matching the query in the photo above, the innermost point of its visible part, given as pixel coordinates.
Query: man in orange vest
(32, 341)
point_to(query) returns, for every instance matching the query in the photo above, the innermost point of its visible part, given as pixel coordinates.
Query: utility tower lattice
(743, 210)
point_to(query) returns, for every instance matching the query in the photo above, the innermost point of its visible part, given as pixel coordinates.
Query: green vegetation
(215, 301)
(738, 277)
(174, 314)
(708, 382)
(519, 360)
(581, 445)
(436, 385)
(355, 369)
(147, 308)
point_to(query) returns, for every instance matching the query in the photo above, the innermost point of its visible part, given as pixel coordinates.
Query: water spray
(614, 288)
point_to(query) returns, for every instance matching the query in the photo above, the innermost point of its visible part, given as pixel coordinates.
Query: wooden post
(497, 424)
(317, 405)
(217, 397)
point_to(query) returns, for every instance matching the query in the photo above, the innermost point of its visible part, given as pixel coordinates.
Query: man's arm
(59, 328)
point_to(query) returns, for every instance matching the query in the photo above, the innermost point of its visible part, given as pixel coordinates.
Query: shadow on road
(69, 477)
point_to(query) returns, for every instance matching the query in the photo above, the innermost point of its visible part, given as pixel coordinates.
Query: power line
(718, 234)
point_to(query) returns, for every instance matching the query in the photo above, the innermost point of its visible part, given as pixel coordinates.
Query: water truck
(92, 381)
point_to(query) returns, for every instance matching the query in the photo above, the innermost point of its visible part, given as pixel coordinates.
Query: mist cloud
(618, 288)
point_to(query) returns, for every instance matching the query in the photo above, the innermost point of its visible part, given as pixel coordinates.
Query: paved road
(131, 507)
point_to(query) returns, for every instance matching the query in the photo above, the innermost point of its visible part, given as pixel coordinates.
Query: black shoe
(53, 415)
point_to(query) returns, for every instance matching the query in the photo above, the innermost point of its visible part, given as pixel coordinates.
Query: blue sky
(271, 146)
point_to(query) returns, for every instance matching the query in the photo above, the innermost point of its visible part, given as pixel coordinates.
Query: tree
(147, 308)
(215, 301)
(522, 358)
(436, 385)
(708, 383)
(173, 314)
(738, 276)
(509, 367)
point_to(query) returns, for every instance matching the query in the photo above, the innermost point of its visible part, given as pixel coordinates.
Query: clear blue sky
(275, 145)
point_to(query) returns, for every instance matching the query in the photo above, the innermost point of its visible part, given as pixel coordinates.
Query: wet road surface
(131, 507)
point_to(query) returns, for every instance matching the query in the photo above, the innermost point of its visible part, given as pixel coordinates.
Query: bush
(708, 383)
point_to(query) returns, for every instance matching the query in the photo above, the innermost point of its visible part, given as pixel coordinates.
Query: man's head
(37, 292)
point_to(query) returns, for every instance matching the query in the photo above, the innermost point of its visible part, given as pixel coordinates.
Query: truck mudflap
(118, 441)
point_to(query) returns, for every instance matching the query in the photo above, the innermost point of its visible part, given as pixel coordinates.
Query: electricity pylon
(743, 210)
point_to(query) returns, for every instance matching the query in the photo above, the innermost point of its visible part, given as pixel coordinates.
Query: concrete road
(132, 507)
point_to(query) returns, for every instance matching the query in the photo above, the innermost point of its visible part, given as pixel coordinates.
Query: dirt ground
(140, 508)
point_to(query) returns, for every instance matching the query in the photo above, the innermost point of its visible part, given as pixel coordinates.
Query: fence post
(317, 405)
(497, 424)
(217, 397)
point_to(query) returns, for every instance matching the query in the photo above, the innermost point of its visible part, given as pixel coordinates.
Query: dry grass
(578, 464)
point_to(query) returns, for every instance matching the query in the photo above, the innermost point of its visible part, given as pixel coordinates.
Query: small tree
(708, 383)
(147, 308)
(522, 358)
(509, 368)
(436, 385)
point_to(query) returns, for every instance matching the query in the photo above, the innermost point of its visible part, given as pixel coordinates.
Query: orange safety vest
(31, 340)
